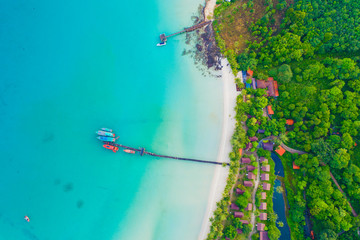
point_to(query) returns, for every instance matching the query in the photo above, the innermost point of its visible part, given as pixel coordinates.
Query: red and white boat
(27, 218)
(111, 147)
(129, 151)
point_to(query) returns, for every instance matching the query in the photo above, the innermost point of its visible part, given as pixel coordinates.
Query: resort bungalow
(265, 168)
(265, 177)
(250, 168)
(263, 206)
(244, 221)
(266, 186)
(233, 206)
(238, 214)
(263, 195)
(295, 166)
(261, 131)
(263, 159)
(264, 236)
(245, 160)
(289, 122)
(260, 227)
(280, 150)
(249, 207)
(248, 183)
(253, 138)
(250, 175)
(268, 146)
(263, 216)
(271, 85)
(270, 110)
(240, 191)
(248, 146)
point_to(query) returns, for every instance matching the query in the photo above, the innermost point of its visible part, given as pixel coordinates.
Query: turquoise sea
(70, 67)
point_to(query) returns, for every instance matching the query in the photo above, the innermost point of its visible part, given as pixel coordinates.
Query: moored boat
(161, 44)
(27, 218)
(106, 129)
(107, 134)
(106, 139)
(129, 151)
(111, 147)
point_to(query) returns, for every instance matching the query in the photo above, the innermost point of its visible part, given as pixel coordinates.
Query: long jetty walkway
(142, 152)
(163, 37)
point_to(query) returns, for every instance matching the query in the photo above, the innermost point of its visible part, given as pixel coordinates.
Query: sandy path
(228, 127)
(257, 181)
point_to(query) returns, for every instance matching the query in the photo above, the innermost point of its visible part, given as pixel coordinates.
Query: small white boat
(161, 44)
(106, 129)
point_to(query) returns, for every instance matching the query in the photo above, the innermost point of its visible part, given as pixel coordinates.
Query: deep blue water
(279, 168)
(70, 67)
(279, 209)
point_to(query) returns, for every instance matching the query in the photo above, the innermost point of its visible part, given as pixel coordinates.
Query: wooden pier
(163, 37)
(142, 152)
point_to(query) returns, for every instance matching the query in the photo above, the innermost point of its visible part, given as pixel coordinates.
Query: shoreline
(225, 147)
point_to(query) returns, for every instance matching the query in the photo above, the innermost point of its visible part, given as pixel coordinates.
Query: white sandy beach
(221, 173)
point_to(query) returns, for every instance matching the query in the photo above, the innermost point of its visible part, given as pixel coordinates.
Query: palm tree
(283, 138)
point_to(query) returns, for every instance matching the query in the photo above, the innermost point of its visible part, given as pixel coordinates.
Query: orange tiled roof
(280, 150)
(250, 72)
(289, 122)
(240, 151)
(276, 89)
(295, 166)
(270, 111)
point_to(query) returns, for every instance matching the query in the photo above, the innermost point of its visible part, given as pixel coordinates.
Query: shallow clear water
(70, 67)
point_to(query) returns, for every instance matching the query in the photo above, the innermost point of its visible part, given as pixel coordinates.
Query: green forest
(312, 48)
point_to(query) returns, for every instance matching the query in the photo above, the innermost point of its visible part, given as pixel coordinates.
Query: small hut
(238, 214)
(263, 195)
(263, 216)
(249, 207)
(250, 168)
(233, 206)
(248, 183)
(260, 227)
(263, 206)
(265, 177)
(266, 186)
(240, 191)
(245, 160)
(251, 175)
(265, 168)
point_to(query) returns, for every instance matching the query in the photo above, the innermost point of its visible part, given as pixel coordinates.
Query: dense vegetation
(311, 48)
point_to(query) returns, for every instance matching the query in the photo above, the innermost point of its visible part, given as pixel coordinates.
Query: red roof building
(263, 195)
(271, 85)
(270, 110)
(260, 227)
(238, 214)
(240, 191)
(266, 186)
(263, 159)
(248, 183)
(245, 160)
(265, 168)
(233, 206)
(251, 175)
(280, 150)
(264, 177)
(250, 167)
(253, 138)
(264, 236)
(244, 221)
(249, 207)
(295, 166)
(263, 206)
(249, 72)
(289, 122)
(263, 216)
